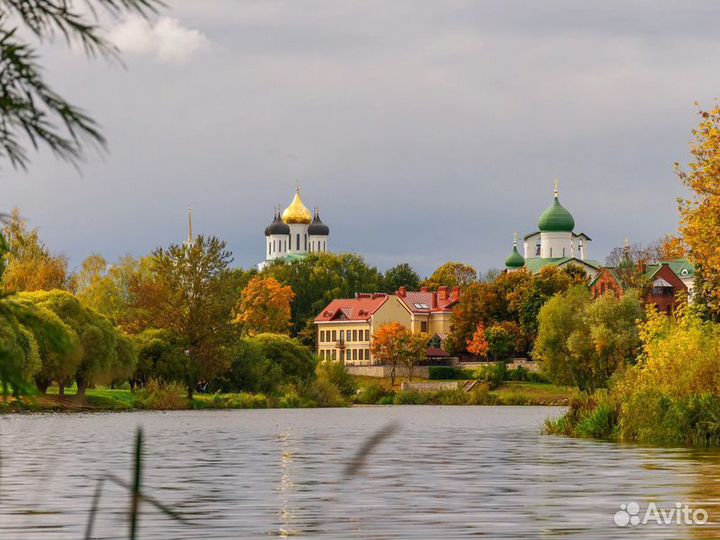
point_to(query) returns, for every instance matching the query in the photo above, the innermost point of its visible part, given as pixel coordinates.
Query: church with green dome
(555, 243)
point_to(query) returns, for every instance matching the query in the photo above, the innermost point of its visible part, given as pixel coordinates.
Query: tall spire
(515, 238)
(190, 230)
(557, 187)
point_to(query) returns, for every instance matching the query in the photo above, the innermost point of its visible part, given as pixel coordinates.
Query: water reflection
(450, 472)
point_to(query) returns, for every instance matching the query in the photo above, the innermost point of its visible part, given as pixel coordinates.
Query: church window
(306, 242)
(551, 253)
(563, 252)
(297, 242)
(537, 250)
(269, 249)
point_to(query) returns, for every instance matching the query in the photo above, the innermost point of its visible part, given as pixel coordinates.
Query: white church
(555, 243)
(295, 233)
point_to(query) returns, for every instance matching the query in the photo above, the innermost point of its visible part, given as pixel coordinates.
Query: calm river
(446, 473)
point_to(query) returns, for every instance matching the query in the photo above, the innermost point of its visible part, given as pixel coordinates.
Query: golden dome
(297, 212)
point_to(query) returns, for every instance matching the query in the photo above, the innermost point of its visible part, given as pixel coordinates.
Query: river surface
(445, 473)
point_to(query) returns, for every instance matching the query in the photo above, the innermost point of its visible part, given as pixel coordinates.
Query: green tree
(452, 274)
(318, 279)
(583, 343)
(398, 276)
(160, 357)
(191, 294)
(101, 361)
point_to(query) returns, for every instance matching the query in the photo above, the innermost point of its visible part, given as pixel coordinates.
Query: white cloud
(165, 39)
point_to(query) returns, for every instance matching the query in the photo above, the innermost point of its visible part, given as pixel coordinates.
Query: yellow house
(346, 326)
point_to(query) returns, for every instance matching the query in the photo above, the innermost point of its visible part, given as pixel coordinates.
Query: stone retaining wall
(421, 372)
(434, 386)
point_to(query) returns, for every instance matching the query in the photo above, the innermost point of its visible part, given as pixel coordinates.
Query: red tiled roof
(352, 309)
(435, 352)
(422, 301)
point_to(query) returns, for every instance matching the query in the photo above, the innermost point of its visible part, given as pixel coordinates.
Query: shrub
(449, 373)
(336, 374)
(480, 395)
(161, 396)
(411, 398)
(457, 396)
(373, 394)
(493, 374)
(322, 393)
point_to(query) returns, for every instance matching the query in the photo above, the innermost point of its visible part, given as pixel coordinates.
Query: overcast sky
(424, 131)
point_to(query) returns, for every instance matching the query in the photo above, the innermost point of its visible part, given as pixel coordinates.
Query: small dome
(556, 218)
(297, 212)
(515, 260)
(277, 226)
(317, 227)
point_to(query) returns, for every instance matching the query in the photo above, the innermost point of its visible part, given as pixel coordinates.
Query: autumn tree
(452, 274)
(389, 345)
(700, 225)
(478, 344)
(398, 276)
(265, 307)
(29, 265)
(191, 294)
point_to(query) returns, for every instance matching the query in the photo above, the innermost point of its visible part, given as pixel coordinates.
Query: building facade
(345, 328)
(295, 232)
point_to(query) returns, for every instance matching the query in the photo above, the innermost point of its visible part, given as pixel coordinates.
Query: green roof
(682, 268)
(515, 260)
(538, 263)
(556, 218)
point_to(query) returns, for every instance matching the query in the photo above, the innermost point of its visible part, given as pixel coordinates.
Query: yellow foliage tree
(700, 223)
(30, 265)
(265, 307)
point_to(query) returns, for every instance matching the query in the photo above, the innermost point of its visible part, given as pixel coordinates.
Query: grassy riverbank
(371, 391)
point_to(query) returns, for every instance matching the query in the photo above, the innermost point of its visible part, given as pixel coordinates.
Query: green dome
(556, 219)
(515, 260)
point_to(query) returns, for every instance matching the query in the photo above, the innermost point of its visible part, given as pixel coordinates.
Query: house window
(423, 327)
(367, 354)
(347, 355)
(334, 336)
(342, 335)
(354, 335)
(334, 354)
(355, 354)
(367, 335)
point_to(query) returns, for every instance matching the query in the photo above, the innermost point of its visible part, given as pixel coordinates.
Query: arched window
(297, 242)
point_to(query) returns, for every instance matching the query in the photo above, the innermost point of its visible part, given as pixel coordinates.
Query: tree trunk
(42, 385)
(190, 392)
(392, 374)
(61, 388)
(82, 386)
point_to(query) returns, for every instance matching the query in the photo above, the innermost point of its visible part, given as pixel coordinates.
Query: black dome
(277, 227)
(317, 227)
